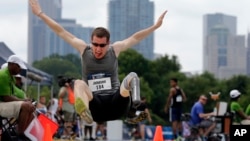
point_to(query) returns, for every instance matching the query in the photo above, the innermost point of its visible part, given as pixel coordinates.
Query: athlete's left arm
(120, 46)
(183, 95)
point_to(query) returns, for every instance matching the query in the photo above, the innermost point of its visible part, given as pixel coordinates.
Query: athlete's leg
(130, 87)
(131, 83)
(180, 129)
(173, 119)
(83, 95)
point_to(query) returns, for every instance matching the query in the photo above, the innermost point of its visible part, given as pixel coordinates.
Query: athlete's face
(172, 83)
(99, 46)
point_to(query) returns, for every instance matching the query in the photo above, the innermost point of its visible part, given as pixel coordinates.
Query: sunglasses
(100, 45)
(204, 99)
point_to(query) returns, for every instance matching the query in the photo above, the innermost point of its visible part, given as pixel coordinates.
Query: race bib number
(100, 84)
(179, 98)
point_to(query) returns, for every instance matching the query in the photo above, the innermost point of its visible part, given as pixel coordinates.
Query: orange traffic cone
(158, 134)
(47, 133)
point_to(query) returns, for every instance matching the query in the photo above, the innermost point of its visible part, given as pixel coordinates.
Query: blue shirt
(196, 110)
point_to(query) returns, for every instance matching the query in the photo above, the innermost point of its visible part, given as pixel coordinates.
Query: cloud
(14, 34)
(92, 14)
(180, 34)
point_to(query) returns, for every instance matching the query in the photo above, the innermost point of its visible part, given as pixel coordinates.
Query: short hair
(100, 32)
(42, 96)
(174, 79)
(203, 96)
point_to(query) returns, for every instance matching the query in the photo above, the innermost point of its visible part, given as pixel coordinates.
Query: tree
(153, 75)
(131, 61)
(56, 65)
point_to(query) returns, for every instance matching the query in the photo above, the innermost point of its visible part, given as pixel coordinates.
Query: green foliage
(58, 66)
(33, 92)
(154, 80)
(55, 65)
(131, 61)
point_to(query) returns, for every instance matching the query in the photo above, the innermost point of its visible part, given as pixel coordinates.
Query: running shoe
(83, 111)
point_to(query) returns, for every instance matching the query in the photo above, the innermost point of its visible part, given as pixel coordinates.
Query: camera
(63, 79)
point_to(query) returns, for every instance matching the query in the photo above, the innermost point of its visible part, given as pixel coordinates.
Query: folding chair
(8, 127)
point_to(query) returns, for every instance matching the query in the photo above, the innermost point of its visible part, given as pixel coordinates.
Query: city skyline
(224, 52)
(180, 34)
(43, 42)
(126, 17)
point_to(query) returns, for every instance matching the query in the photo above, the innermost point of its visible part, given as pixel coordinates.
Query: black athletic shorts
(108, 107)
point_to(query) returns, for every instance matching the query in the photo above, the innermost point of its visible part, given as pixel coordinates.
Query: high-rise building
(42, 41)
(248, 54)
(125, 17)
(224, 52)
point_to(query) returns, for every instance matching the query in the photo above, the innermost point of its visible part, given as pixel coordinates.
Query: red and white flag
(35, 130)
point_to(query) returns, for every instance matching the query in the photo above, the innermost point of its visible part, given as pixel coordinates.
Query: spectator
(19, 82)
(88, 130)
(41, 105)
(52, 109)
(143, 107)
(200, 118)
(66, 105)
(10, 105)
(101, 130)
(239, 116)
(19, 92)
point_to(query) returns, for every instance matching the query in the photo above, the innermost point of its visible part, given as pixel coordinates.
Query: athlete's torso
(177, 98)
(100, 74)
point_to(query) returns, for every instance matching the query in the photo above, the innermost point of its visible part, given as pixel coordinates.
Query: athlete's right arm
(171, 93)
(75, 42)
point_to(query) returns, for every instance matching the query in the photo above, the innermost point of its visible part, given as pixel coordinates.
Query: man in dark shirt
(174, 102)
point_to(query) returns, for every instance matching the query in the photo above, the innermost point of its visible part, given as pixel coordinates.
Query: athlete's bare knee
(81, 86)
(27, 107)
(77, 83)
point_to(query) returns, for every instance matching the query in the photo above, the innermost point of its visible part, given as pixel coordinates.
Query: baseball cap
(4, 65)
(15, 59)
(234, 93)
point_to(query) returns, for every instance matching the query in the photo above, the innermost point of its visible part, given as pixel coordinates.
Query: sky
(180, 34)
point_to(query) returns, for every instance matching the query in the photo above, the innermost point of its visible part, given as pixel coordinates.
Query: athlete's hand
(160, 19)
(36, 9)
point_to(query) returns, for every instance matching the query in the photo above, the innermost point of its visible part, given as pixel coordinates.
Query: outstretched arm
(137, 37)
(183, 96)
(78, 44)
